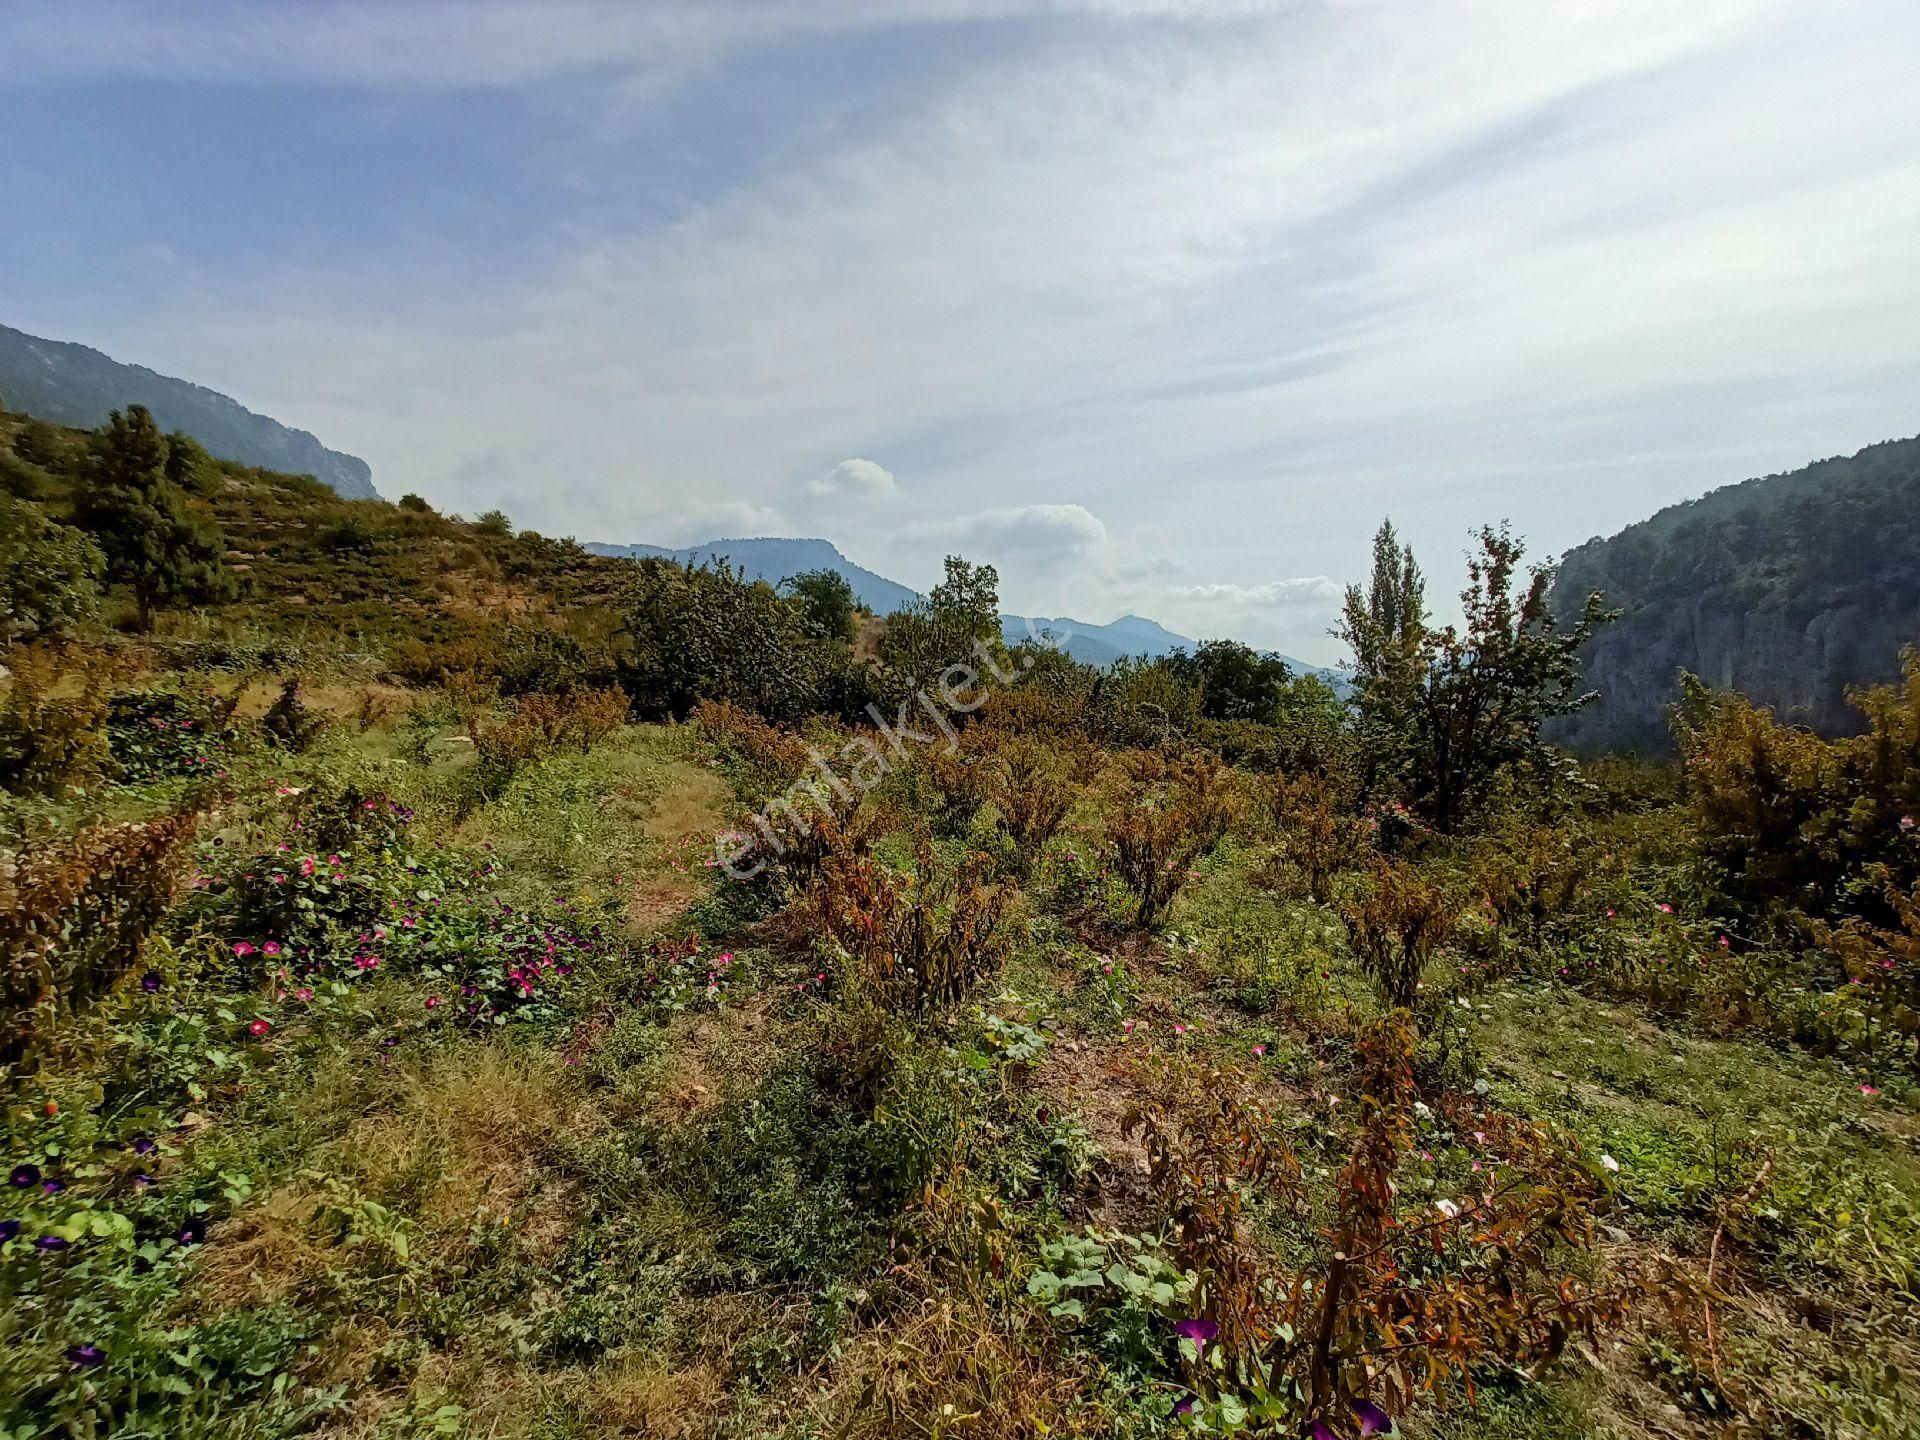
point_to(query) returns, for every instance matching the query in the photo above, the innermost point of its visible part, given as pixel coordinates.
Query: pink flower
(241, 947)
(1868, 1090)
(303, 993)
(1259, 1050)
(259, 1027)
(1906, 822)
(1664, 908)
(433, 1002)
(272, 947)
(279, 877)
(307, 867)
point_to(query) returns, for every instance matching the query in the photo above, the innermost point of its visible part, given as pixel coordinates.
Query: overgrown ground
(686, 1180)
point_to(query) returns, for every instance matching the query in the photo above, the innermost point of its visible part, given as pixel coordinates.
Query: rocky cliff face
(74, 385)
(1790, 589)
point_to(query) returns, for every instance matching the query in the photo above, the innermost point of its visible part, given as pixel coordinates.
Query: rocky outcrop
(1789, 589)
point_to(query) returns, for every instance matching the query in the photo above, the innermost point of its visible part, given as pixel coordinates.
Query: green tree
(826, 602)
(154, 541)
(962, 612)
(1446, 712)
(1236, 681)
(188, 465)
(49, 574)
(709, 634)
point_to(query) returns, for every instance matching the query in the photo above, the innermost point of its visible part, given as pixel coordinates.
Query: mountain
(1789, 589)
(774, 559)
(74, 385)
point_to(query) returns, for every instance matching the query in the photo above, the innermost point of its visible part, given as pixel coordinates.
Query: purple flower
(151, 982)
(8, 1229)
(53, 1187)
(1373, 1420)
(1183, 1406)
(1198, 1331)
(24, 1176)
(51, 1242)
(194, 1231)
(143, 1144)
(86, 1355)
(142, 1181)
(1322, 1431)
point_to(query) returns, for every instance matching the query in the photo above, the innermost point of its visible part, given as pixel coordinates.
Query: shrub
(1395, 924)
(1884, 965)
(920, 941)
(75, 918)
(1413, 1289)
(1175, 812)
(166, 734)
(1032, 792)
(770, 758)
(49, 741)
(49, 575)
(1318, 836)
(697, 635)
(289, 722)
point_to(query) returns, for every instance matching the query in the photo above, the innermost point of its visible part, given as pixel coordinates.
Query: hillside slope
(76, 385)
(1789, 588)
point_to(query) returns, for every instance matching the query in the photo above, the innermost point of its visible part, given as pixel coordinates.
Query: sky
(1158, 305)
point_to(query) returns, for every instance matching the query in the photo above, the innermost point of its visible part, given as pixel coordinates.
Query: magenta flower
(1183, 1406)
(86, 1356)
(272, 947)
(1198, 1331)
(1373, 1420)
(242, 948)
(1322, 1431)
(259, 1027)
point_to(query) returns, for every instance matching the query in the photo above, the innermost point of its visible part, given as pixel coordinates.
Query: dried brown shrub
(1396, 922)
(1318, 834)
(75, 917)
(1176, 810)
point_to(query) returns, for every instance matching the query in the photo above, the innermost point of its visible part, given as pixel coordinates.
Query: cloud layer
(1155, 303)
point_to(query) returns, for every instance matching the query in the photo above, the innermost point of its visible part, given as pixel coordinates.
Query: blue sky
(1158, 304)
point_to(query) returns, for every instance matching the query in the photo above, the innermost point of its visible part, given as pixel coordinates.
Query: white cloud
(855, 480)
(1313, 591)
(1027, 534)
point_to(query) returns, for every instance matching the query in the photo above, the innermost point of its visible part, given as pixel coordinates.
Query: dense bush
(165, 734)
(1176, 810)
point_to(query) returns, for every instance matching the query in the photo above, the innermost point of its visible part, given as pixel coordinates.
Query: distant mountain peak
(73, 384)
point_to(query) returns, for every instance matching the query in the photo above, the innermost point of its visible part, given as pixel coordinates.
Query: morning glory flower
(1373, 1420)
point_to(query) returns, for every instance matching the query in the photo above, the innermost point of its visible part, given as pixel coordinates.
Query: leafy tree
(415, 503)
(710, 634)
(962, 612)
(49, 574)
(154, 541)
(1446, 712)
(188, 465)
(826, 602)
(495, 523)
(1236, 681)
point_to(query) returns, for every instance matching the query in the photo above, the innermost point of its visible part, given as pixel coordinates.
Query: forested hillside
(77, 385)
(1789, 589)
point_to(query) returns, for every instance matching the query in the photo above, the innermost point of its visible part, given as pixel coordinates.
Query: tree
(188, 465)
(1445, 713)
(49, 574)
(826, 602)
(154, 541)
(962, 612)
(710, 634)
(1236, 681)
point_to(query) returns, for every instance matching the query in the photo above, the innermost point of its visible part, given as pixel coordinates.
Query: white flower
(1448, 1209)
(1611, 1165)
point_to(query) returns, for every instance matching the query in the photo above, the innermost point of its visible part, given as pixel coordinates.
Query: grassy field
(693, 1182)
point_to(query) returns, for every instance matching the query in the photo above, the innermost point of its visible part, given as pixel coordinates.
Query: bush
(289, 722)
(49, 575)
(75, 918)
(167, 734)
(1397, 922)
(48, 741)
(1032, 793)
(918, 942)
(1175, 812)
